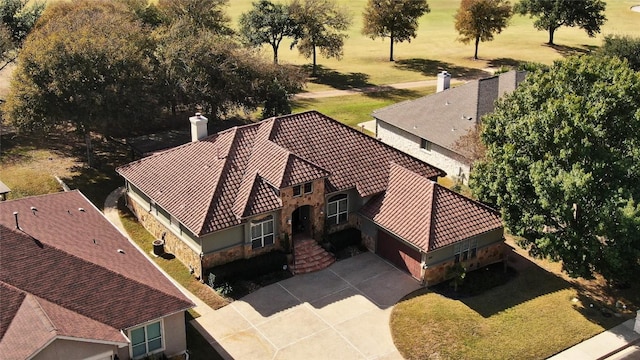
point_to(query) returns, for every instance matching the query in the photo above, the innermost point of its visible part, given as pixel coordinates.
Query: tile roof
(64, 258)
(443, 117)
(426, 214)
(223, 177)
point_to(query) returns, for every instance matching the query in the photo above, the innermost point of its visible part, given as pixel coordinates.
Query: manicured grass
(436, 48)
(171, 265)
(354, 109)
(533, 316)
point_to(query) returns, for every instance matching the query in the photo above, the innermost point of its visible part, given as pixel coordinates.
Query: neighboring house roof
(426, 214)
(62, 275)
(443, 117)
(216, 182)
(4, 188)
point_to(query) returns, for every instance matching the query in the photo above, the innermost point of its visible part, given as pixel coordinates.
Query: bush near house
(241, 277)
(342, 241)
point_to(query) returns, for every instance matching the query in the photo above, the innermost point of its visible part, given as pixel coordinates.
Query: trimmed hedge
(248, 269)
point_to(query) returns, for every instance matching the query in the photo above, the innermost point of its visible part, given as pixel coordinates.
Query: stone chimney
(444, 80)
(198, 127)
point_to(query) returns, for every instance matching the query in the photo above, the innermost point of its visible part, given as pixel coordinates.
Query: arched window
(337, 209)
(262, 232)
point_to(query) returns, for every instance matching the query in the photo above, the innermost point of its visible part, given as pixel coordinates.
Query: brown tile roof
(65, 256)
(426, 214)
(208, 185)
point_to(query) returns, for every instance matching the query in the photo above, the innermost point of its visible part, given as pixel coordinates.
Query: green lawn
(354, 109)
(533, 316)
(435, 48)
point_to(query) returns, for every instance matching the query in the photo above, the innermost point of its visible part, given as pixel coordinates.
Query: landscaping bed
(476, 282)
(345, 243)
(242, 277)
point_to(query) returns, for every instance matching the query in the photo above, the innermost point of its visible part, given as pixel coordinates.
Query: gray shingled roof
(443, 117)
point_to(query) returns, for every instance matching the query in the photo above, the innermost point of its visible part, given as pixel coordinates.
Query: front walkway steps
(309, 257)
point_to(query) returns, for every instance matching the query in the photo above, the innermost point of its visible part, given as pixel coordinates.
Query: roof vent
(81, 209)
(120, 251)
(33, 210)
(15, 214)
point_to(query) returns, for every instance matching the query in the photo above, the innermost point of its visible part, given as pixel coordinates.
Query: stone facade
(455, 165)
(315, 199)
(486, 256)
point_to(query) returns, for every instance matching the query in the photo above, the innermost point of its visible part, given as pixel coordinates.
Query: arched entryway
(301, 221)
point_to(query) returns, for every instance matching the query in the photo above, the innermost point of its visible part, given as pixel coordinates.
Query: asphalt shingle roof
(443, 117)
(214, 183)
(64, 260)
(426, 214)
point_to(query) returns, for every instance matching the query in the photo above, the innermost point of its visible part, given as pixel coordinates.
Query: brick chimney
(198, 127)
(444, 80)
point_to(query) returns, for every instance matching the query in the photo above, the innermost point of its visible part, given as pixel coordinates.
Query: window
(297, 190)
(337, 209)
(425, 145)
(262, 233)
(308, 188)
(146, 339)
(465, 249)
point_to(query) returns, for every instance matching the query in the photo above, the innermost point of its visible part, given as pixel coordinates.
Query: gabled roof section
(426, 214)
(214, 183)
(443, 117)
(83, 274)
(353, 158)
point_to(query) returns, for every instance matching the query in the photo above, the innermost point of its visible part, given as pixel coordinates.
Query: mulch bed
(476, 282)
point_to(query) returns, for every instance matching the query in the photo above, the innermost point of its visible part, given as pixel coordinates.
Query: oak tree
(17, 19)
(393, 19)
(321, 25)
(479, 20)
(624, 47)
(552, 14)
(562, 165)
(267, 23)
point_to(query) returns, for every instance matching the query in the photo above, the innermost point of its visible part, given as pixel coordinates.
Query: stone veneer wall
(172, 244)
(290, 203)
(487, 255)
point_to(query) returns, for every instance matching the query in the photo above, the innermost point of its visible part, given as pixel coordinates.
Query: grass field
(436, 48)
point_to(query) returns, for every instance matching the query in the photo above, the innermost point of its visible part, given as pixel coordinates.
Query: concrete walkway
(369, 89)
(619, 342)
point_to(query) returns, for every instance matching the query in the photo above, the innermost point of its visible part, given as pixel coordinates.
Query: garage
(400, 254)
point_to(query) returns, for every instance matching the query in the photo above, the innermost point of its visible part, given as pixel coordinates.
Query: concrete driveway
(341, 312)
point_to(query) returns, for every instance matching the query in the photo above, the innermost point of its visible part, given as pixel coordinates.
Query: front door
(301, 220)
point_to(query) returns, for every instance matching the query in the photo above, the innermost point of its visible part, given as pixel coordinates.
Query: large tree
(563, 165)
(321, 26)
(393, 19)
(267, 23)
(479, 20)
(195, 15)
(18, 18)
(85, 64)
(552, 14)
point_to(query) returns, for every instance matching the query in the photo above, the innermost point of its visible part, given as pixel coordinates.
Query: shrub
(245, 269)
(343, 239)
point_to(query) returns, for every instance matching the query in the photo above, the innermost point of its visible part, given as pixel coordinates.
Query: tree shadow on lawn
(504, 62)
(566, 50)
(430, 67)
(338, 80)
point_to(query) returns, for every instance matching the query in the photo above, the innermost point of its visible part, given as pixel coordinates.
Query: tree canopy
(267, 23)
(563, 164)
(552, 14)
(624, 47)
(321, 24)
(393, 19)
(18, 18)
(479, 20)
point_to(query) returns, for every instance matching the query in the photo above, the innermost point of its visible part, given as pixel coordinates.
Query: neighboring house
(73, 287)
(429, 127)
(246, 190)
